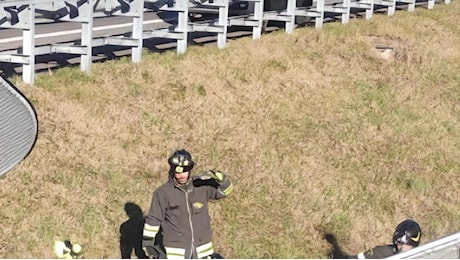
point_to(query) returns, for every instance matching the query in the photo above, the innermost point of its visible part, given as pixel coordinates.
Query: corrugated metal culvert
(18, 126)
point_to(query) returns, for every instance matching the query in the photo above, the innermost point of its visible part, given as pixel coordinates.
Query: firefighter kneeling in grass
(180, 208)
(406, 236)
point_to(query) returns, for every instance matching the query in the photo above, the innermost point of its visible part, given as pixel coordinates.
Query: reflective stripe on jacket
(377, 252)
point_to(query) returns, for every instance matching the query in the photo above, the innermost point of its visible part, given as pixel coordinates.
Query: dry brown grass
(318, 132)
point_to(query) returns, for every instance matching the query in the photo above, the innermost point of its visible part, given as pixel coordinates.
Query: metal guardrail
(18, 126)
(22, 14)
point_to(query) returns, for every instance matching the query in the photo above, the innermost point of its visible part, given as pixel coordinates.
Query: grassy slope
(318, 133)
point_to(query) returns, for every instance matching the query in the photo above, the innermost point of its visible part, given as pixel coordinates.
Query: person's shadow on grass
(131, 232)
(336, 251)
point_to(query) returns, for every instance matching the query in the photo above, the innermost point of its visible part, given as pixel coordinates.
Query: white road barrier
(23, 15)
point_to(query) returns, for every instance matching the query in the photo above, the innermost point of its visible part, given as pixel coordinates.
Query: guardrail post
(319, 9)
(258, 16)
(17, 16)
(135, 9)
(79, 11)
(28, 45)
(218, 25)
(179, 31)
(223, 21)
(87, 35)
(346, 13)
(255, 20)
(290, 22)
(138, 25)
(182, 25)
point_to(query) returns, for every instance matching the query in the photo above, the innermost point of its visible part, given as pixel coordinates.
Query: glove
(147, 246)
(155, 253)
(217, 175)
(214, 256)
(210, 178)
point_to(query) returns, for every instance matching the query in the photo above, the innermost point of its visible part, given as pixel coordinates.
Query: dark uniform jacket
(376, 252)
(182, 214)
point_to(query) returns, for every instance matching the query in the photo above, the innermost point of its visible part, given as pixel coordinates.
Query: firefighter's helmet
(407, 232)
(181, 161)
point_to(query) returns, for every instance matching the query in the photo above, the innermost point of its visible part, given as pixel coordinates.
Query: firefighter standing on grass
(180, 208)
